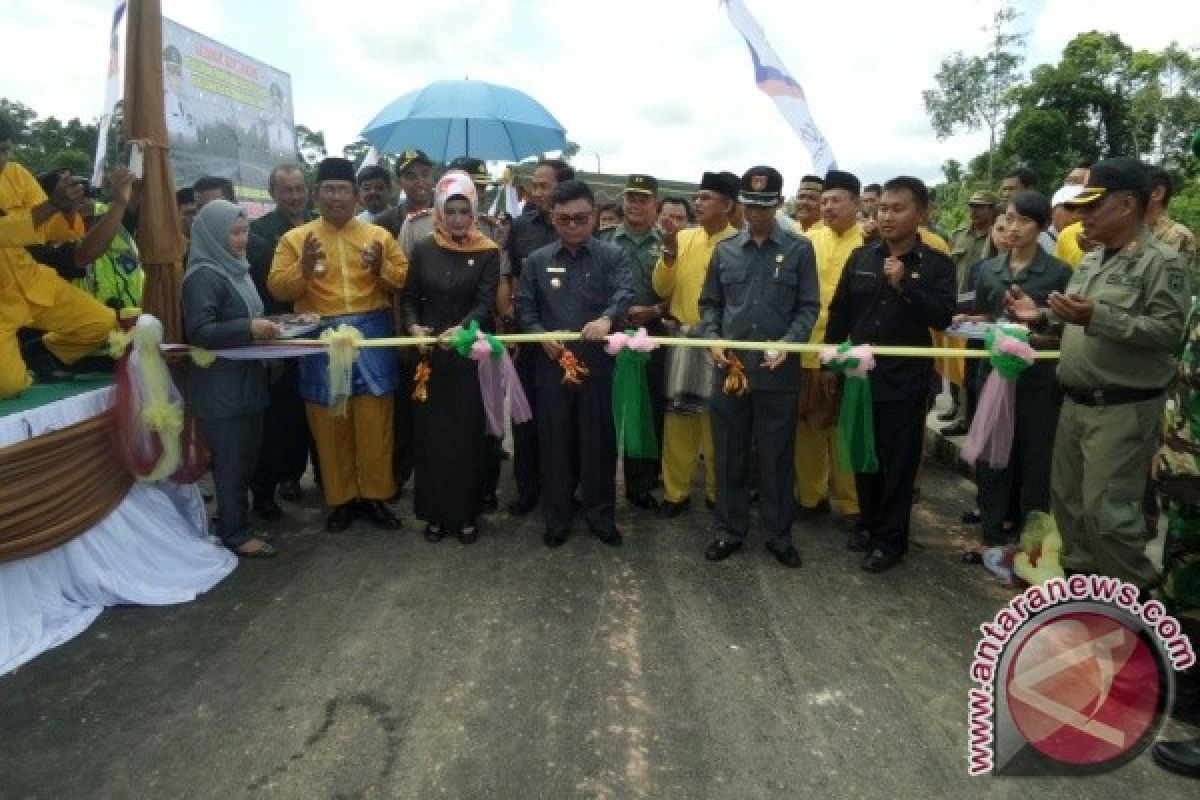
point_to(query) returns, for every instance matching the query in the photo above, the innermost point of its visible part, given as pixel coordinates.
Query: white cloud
(662, 87)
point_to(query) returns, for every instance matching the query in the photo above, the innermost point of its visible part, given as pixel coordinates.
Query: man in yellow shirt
(346, 270)
(808, 204)
(33, 295)
(679, 277)
(817, 472)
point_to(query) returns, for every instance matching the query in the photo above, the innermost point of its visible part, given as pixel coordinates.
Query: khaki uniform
(1113, 371)
(967, 248)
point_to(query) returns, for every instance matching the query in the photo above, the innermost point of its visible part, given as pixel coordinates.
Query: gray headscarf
(209, 249)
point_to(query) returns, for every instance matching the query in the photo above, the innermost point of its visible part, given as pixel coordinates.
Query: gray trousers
(768, 419)
(235, 443)
(1101, 464)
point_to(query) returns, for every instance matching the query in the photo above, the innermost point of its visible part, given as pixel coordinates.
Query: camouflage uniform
(1181, 240)
(1178, 478)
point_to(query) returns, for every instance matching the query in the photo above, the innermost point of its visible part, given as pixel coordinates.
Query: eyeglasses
(569, 220)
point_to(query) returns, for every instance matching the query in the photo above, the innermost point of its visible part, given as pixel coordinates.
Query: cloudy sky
(658, 86)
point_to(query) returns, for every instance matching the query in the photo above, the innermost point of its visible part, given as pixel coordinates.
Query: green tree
(570, 151)
(973, 92)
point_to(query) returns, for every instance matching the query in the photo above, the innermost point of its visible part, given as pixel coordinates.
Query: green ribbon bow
(856, 418)
(1008, 365)
(465, 339)
(633, 414)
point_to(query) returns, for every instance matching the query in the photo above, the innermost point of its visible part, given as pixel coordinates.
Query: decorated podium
(79, 531)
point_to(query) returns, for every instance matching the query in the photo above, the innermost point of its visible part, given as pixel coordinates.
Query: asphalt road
(377, 665)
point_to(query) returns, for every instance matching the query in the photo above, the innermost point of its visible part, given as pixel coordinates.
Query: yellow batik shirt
(683, 281)
(832, 250)
(346, 286)
(23, 280)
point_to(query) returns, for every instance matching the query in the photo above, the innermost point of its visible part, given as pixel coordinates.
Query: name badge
(556, 269)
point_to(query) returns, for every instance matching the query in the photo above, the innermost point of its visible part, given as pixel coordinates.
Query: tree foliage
(49, 143)
(973, 92)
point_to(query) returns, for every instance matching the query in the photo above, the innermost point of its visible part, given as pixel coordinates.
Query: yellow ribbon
(343, 343)
(158, 413)
(202, 358)
(118, 342)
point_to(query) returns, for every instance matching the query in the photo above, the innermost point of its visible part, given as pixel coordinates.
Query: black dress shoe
(812, 512)
(971, 518)
(468, 534)
(722, 549)
(957, 429)
(859, 540)
(377, 512)
(490, 503)
(340, 518)
(290, 491)
(1182, 758)
(268, 509)
(554, 538)
(788, 556)
(612, 538)
(673, 508)
(880, 560)
(645, 500)
(522, 506)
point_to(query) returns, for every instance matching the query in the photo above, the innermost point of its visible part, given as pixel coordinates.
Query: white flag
(774, 79)
(111, 91)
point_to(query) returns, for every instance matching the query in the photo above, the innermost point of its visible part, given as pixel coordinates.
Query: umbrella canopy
(448, 119)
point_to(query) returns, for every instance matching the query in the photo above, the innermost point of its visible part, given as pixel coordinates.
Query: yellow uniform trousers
(77, 325)
(685, 438)
(817, 472)
(355, 450)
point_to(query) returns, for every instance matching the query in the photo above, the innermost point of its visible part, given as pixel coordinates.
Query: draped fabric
(56, 486)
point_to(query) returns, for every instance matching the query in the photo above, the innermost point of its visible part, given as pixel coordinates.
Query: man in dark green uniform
(1123, 319)
(761, 286)
(637, 235)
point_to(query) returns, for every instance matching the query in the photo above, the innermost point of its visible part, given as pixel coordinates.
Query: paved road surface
(376, 665)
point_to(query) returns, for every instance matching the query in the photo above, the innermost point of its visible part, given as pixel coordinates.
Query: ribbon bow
(343, 350)
(736, 382)
(638, 341)
(470, 342)
(420, 392)
(574, 370)
(856, 416)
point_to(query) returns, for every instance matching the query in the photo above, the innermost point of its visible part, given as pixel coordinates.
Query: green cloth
(633, 415)
(1009, 366)
(41, 394)
(643, 250)
(856, 418)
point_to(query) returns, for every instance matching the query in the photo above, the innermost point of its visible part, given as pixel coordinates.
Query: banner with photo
(228, 115)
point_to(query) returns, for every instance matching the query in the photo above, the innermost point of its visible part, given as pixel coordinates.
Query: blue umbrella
(448, 119)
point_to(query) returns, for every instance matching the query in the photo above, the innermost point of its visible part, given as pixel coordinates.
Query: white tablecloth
(153, 549)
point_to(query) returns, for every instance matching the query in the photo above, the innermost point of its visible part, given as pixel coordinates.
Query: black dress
(446, 288)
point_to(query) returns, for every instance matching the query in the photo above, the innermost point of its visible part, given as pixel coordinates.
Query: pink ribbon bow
(639, 342)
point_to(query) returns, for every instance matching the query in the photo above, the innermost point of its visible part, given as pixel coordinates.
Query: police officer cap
(335, 169)
(410, 157)
(642, 184)
(836, 179)
(761, 186)
(473, 167)
(1111, 175)
(723, 183)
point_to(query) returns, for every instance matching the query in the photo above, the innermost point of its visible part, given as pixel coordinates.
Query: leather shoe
(522, 506)
(554, 538)
(971, 518)
(1182, 758)
(722, 549)
(612, 538)
(880, 561)
(268, 509)
(812, 512)
(957, 429)
(290, 491)
(859, 540)
(377, 512)
(788, 556)
(673, 508)
(644, 500)
(340, 518)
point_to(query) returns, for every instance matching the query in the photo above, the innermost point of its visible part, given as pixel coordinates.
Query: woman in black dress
(452, 277)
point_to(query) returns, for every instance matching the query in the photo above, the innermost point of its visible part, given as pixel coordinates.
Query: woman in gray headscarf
(221, 308)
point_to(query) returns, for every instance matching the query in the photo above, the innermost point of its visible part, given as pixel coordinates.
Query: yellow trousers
(817, 473)
(75, 322)
(355, 450)
(685, 438)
